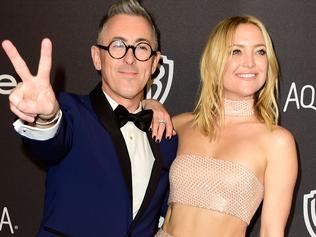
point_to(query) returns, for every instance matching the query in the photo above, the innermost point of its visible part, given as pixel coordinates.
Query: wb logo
(309, 210)
(159, 87)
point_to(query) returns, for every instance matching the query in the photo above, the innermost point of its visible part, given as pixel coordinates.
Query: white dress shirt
(141, 156)
(137, 144)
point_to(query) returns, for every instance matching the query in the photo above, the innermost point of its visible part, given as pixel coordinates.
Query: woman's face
(247, 64)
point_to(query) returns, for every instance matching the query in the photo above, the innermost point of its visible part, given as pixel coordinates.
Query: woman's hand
(161, 120)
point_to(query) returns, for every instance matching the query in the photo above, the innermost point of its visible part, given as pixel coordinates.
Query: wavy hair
(209, 106)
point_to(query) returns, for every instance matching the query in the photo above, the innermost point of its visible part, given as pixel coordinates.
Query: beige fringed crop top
(219, 185)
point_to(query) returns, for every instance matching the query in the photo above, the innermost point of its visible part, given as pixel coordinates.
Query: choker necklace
(239, 108)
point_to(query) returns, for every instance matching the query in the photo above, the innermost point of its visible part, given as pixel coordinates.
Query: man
(105, 176)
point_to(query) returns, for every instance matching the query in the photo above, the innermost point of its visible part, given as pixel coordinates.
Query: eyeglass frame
(127, 47)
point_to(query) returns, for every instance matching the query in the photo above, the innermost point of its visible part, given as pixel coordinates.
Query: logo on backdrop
(309, 211)
(304, 98)
(159, 87)
(6, 225)
(7, 83)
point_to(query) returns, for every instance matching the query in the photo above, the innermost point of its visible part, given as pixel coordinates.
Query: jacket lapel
(154, 178)
(107, 118)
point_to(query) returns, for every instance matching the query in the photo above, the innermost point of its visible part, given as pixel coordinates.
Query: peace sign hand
(34, 96)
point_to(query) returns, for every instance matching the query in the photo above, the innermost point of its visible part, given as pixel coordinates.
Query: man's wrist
(42, 121)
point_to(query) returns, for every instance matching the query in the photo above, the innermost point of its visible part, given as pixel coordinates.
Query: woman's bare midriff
(187, 221)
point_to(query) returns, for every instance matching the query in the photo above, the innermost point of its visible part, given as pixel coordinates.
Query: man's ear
(155, 62)
(96, 57)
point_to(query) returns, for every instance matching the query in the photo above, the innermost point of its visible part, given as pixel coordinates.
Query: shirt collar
(114, 104)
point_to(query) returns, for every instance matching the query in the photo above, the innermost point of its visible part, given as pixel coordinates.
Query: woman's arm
(279, 182)
(161, 120)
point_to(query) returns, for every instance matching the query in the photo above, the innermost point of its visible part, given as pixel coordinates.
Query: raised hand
(33, 97)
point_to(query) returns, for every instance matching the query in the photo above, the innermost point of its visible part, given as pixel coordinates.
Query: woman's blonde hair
(208, 110)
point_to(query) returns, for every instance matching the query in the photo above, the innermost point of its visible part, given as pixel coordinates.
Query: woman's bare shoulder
(281, 136)
(182, 120)
(281, 145)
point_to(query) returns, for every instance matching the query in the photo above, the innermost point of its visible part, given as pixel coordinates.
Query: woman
(231, 153)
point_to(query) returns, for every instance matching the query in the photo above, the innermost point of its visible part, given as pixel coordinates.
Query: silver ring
(162, 121)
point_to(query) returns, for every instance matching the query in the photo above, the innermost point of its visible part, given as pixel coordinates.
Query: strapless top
(218, 185)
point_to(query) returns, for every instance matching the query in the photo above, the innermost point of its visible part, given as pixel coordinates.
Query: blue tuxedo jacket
(88, 184)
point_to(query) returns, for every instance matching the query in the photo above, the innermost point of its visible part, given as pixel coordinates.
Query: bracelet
(49, 122)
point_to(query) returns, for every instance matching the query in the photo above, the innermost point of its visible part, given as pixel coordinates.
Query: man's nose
(129, 57)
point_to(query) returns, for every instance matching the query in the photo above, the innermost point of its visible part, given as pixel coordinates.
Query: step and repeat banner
(185, 26)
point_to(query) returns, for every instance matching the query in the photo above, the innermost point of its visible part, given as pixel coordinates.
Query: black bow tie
(142, 119)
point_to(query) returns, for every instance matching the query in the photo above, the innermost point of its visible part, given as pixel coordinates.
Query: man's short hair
(131, 8)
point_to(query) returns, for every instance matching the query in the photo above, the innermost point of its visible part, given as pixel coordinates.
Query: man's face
(124, 79)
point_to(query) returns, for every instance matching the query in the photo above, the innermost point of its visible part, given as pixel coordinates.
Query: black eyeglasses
(117, 49)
